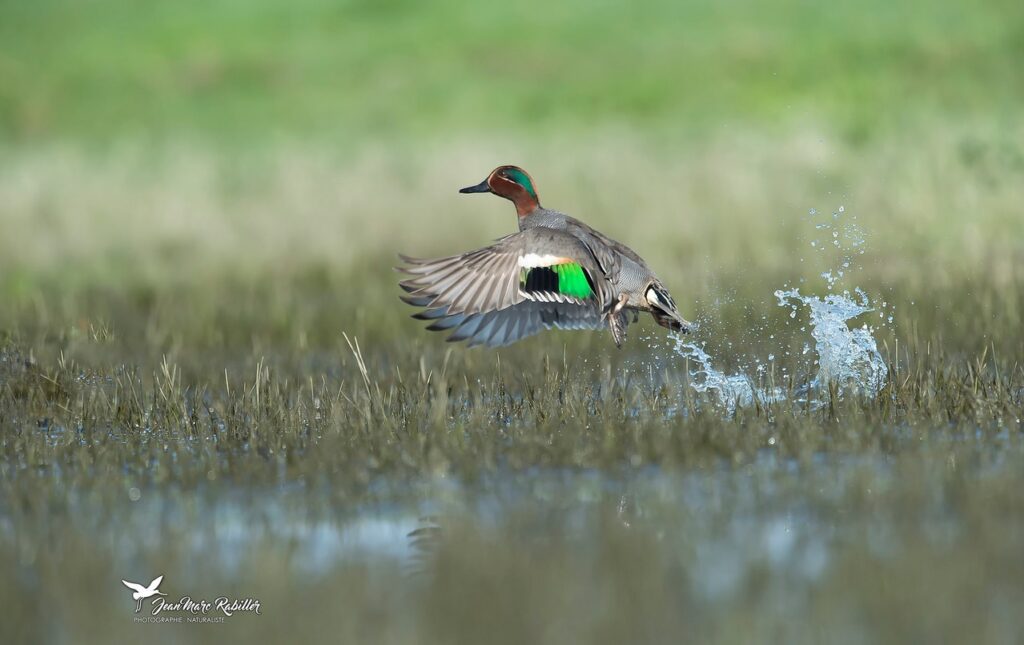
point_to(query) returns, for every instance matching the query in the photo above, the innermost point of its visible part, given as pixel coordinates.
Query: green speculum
(572, 281)
(567, 279)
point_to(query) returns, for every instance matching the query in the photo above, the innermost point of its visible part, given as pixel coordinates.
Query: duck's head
(514, 184)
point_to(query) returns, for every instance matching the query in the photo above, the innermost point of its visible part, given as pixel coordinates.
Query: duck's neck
(525, 204)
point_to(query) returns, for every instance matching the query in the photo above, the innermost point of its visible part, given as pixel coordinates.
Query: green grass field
(206, 373)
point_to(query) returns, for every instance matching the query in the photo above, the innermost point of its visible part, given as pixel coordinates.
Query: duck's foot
(617, 323)
(618, 320)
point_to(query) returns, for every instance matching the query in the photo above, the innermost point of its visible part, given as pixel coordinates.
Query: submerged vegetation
(206, 373)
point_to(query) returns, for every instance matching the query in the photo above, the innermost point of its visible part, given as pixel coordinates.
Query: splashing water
(847, 357)
(729, 390)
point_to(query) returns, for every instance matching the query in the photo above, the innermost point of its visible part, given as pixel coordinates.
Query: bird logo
(141, 593)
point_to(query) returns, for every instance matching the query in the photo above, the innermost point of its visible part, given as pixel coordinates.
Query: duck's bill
(482, 187)
(673, 322)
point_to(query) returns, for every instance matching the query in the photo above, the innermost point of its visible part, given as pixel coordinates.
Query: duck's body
(557, 272)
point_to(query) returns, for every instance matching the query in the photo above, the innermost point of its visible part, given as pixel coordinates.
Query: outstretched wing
(156, 583)
(506, 326)
(134, 587)
(533, 280)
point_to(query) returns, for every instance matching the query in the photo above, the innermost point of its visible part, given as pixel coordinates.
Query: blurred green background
(358, 71)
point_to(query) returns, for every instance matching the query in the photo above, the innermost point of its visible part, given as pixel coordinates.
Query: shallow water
(732, 521)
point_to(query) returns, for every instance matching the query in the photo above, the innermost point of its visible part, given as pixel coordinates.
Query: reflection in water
(424, 542)
(780, 533)
(719, 516)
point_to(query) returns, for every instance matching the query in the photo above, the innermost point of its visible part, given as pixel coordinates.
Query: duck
(556, 272)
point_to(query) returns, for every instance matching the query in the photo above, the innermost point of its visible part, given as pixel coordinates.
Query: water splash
(847, 356)
(730, 391)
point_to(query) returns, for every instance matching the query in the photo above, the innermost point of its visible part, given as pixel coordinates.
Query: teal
(555, 273)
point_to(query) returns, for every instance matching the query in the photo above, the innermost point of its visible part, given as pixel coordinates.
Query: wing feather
(506, 326)
(478, 295)
(464, 283)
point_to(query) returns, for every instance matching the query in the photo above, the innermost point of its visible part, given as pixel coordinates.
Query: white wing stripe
(531, 260)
